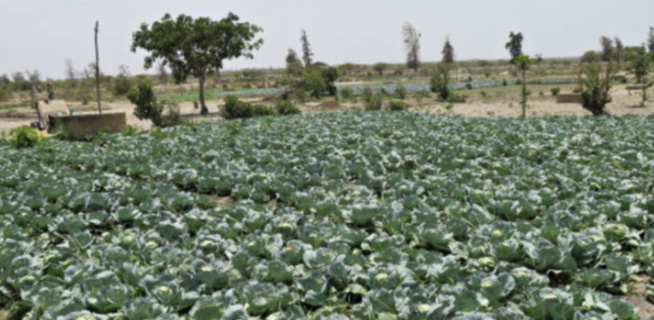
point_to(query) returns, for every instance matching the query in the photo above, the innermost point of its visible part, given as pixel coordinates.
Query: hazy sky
(42, 34)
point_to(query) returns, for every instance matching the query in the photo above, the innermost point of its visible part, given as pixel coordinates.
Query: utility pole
(97, 68)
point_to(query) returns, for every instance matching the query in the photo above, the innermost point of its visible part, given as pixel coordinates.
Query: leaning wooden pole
(97, 69)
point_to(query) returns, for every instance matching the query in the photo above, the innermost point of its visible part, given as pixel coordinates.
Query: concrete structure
(80, 125)
(568, 98)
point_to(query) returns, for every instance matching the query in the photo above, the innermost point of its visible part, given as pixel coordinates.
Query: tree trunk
(524, 95)
(203, 106)
(97, 69)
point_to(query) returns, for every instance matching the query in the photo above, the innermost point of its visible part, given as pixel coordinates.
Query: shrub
(375, 103)
(286, 108)
(174, 116)
(400, 92)
(24, 137)
(366, 93)
(122, 85)
(439, 82)
(469, 86)
(595, 84)
(130, 131)
(146, 103)
(449, 107)
(330, 75)
(315, 84)
(504, 83)
(259, 110)
(234, 108)
(555, 91)
(455, 98)
(398, 106)
(346, 92)
(419, 95)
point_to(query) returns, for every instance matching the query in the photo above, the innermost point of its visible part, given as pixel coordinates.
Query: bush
(24, 137)
(286, 108)
(375, 103)
(330, 75)
(419, 95)
(259, 110)
(122, 85)
(366, 93)
(439, 81)
(469, 86)
(555, 91)
(315, 84)
(400, 92)
(146, 103)
(235, 109)
(130, 131)
(398, 106)
(346, 92)
(455, 98)
(595, 84)
(504, 83)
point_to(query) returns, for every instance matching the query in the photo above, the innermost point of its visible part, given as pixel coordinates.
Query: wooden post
(97, 69)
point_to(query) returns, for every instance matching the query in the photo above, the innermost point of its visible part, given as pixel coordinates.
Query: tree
(147, 106)
(347, 68)
(70, 72)
(330, 75)
(162, 73)
(447, 52)
(412, 46)
(523, 62)
(380, 67)
(291, 57)
(618, 54)
(123, 83)
(650, 40)
(196, 47)
(590, 56)
(538, 59)
(439, 81)
(314, 83)
(595, 83)
(306, 49)
(607, 48)
(514, 45)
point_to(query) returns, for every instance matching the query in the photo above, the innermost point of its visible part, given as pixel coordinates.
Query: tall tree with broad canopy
(514, 45)
(196, 47)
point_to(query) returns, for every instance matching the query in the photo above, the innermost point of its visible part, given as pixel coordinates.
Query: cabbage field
(350, 215)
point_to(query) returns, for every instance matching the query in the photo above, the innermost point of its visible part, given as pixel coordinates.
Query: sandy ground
(498, 102)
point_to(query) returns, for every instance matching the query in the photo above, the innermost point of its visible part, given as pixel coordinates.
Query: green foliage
(440, 80)
(346, 92)
(456, 98)
(330, 75)
(130, 131)
(314, 83)
(420, 95)
(121, 85)
(640, 64)
(591, 56)
(375, 103)
(400, 92)
(259, 110)
(147, 106)
(595, 84)
(196, 47)
(380, 67)
(286, 108)
(367, 94)
(24, 137)
(555, 91)
(447, 52)
(514, 45)
(236, 109)
(398, 106)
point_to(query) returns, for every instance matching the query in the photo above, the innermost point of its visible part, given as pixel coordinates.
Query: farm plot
(373, 215)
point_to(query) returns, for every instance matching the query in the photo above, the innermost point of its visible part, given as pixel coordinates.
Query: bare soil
(490, 103)
(638, 298)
